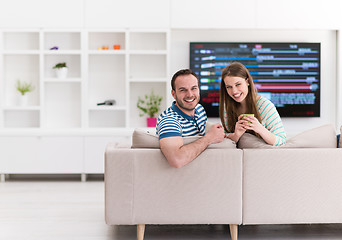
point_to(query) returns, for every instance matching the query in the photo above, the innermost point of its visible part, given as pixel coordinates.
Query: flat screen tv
(288, 74)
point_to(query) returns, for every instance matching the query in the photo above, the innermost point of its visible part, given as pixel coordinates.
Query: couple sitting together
(186, 117)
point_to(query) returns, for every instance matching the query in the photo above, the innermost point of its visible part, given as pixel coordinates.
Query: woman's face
(237, 88)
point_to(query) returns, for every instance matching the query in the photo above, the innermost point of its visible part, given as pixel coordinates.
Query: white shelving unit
(106, 79)
(152, 48)
(95, 74)
(20, 60)
(61, 98)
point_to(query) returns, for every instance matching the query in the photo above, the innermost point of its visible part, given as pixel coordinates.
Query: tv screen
(288, 74)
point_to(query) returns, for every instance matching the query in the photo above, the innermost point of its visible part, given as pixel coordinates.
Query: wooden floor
(57, 209)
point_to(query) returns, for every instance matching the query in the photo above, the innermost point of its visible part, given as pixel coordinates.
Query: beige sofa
(224, 185)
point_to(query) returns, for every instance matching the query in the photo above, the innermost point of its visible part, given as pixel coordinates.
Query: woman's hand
(240, 126)
(239, 130)
(251, 123)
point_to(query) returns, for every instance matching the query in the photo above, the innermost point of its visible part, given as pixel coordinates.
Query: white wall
(40, 13)
(339, 79)
(228, 14)
(84, 13)
(213, 14)
(126, 13)
(251, 14)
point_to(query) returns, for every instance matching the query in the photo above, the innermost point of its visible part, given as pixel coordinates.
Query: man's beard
(182, 106)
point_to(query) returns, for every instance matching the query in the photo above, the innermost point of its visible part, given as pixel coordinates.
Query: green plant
(24, 87)
(150, 104)
(60, 65)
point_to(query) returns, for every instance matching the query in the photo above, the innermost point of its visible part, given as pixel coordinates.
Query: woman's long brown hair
(229, 105)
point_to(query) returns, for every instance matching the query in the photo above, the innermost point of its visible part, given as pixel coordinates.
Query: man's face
(186, 93)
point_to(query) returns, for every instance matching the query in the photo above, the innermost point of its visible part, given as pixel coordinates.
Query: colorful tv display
(288, 74)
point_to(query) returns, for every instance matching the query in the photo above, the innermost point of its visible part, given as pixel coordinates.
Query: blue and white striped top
(271, 120)
(173, 122)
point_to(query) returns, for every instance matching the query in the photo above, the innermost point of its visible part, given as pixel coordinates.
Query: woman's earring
(247, 81)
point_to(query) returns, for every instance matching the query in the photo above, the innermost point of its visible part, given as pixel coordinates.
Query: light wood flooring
(59, 209)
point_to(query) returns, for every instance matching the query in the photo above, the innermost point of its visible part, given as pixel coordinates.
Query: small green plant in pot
(61, 70)
(23, 88)
(150, 105)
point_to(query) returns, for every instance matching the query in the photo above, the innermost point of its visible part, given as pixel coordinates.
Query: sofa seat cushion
(320, 137)
(145, 139)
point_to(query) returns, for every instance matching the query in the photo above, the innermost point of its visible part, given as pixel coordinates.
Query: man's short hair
(181, 73)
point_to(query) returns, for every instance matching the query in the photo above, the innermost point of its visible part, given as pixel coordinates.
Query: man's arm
(179, 154)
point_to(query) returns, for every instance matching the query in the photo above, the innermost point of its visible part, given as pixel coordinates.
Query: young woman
(238, 96)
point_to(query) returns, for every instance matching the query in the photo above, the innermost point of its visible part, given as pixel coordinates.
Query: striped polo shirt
(175, 123)
(270, 119)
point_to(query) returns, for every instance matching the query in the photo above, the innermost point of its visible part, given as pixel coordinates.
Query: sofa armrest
(119, 193)
(141, 187)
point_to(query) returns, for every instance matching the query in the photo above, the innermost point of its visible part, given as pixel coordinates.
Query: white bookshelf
(65, 111)
(20, 60)
(95, 74)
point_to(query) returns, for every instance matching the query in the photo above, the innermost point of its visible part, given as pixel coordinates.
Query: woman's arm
(271, 129)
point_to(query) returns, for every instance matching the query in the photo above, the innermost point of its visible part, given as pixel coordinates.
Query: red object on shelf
(151, 122)
(116, 47)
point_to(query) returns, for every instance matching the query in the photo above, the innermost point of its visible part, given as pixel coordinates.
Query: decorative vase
(151, 122)
(23, 100)
(62, 73)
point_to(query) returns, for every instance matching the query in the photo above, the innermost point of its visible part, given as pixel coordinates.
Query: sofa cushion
(320, 137)
(145, 139)
(248, 140)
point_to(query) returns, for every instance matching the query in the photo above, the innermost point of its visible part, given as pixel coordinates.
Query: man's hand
(215, 134)
(178, 154)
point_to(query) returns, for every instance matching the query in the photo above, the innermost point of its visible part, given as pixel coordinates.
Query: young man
(185, 118)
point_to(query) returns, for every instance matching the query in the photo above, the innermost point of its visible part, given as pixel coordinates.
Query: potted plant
(23, 88)
(61, 70)
(150, 105)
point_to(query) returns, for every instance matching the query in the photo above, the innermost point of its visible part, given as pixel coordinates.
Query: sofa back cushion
(145, 139)
(320, 137)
